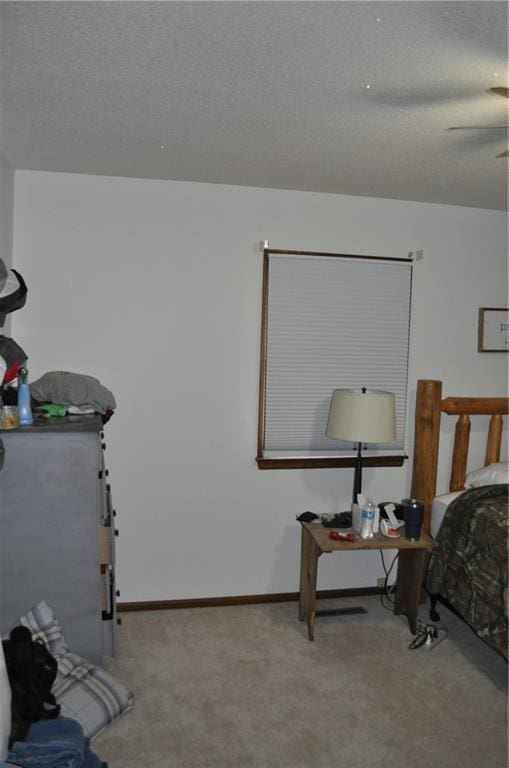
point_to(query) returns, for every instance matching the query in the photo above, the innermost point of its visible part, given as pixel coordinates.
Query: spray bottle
(24, 406)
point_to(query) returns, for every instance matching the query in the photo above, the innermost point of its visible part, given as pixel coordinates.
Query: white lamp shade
(362, 417)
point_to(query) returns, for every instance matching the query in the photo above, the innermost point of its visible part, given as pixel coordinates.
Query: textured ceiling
(270, 94)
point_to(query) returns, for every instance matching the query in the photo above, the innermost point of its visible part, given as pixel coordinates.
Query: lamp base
(357, 478)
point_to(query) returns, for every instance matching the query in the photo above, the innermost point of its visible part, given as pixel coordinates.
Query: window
(329, 321)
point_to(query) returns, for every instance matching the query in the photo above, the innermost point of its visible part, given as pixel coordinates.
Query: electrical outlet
(380, 582)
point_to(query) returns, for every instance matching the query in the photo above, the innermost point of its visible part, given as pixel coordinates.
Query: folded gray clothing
(73, 389)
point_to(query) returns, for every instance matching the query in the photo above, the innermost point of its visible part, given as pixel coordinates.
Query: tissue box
(356, 518)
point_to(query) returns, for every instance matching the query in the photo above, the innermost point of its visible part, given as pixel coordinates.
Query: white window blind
(332, 323)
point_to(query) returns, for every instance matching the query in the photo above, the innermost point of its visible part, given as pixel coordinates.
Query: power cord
(386, 596)
(428, 635)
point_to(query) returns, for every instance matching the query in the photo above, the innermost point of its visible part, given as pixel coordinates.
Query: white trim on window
(330, 323)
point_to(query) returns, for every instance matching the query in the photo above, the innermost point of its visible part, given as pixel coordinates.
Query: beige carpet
(242, 687)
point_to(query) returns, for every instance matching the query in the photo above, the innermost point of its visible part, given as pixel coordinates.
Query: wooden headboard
(428, 411)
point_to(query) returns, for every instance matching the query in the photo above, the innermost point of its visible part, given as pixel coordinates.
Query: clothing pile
(56, 393)
(56, 743)
(39, 737)
(79, 393)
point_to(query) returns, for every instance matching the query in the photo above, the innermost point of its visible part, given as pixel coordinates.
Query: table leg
(309, 554)
(411, 564)
(305, 545)
(312, 571)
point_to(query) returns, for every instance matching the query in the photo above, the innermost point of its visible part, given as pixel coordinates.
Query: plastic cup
(9, 417)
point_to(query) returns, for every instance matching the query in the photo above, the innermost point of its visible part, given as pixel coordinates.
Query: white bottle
(367, 519)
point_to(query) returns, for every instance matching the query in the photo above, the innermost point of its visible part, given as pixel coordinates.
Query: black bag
(32, 671)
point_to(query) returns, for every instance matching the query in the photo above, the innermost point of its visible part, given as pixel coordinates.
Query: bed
(469, 570)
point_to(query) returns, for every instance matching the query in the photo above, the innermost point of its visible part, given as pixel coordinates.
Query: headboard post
(494, 440)
(460, 453)
(464, 407)
(426, 438)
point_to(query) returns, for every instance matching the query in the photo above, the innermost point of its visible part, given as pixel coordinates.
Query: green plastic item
(52, 409)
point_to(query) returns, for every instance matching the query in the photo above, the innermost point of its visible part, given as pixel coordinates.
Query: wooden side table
(411, 563)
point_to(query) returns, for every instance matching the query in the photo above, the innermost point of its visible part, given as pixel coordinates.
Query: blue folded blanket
(58, 743)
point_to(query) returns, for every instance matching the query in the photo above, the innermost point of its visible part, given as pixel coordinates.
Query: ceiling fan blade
(504, 154)
(477, 127)
(499, 92)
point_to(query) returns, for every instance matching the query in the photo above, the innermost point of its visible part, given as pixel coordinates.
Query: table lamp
(362, 416)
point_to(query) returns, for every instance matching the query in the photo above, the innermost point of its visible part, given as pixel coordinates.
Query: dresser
(57, 530)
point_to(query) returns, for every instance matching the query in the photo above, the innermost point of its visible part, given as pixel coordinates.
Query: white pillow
(493, 474)
(5, 706)
(85, 692)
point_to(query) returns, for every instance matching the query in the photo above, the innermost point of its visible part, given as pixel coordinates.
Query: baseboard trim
(207, 602)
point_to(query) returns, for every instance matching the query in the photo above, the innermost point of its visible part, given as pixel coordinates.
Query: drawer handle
(117, 593)
(108, 615)
(116, 531)
(119, 621)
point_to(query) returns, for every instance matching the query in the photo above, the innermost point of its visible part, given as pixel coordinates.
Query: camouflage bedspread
(469, 569)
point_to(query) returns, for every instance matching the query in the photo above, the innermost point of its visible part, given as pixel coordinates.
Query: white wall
(6, 219)
(6, 209)
(155, 288)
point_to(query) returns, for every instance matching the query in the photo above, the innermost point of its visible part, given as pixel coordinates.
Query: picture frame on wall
(493, 329)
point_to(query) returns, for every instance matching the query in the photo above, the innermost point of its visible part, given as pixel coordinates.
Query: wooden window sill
(326, 462)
